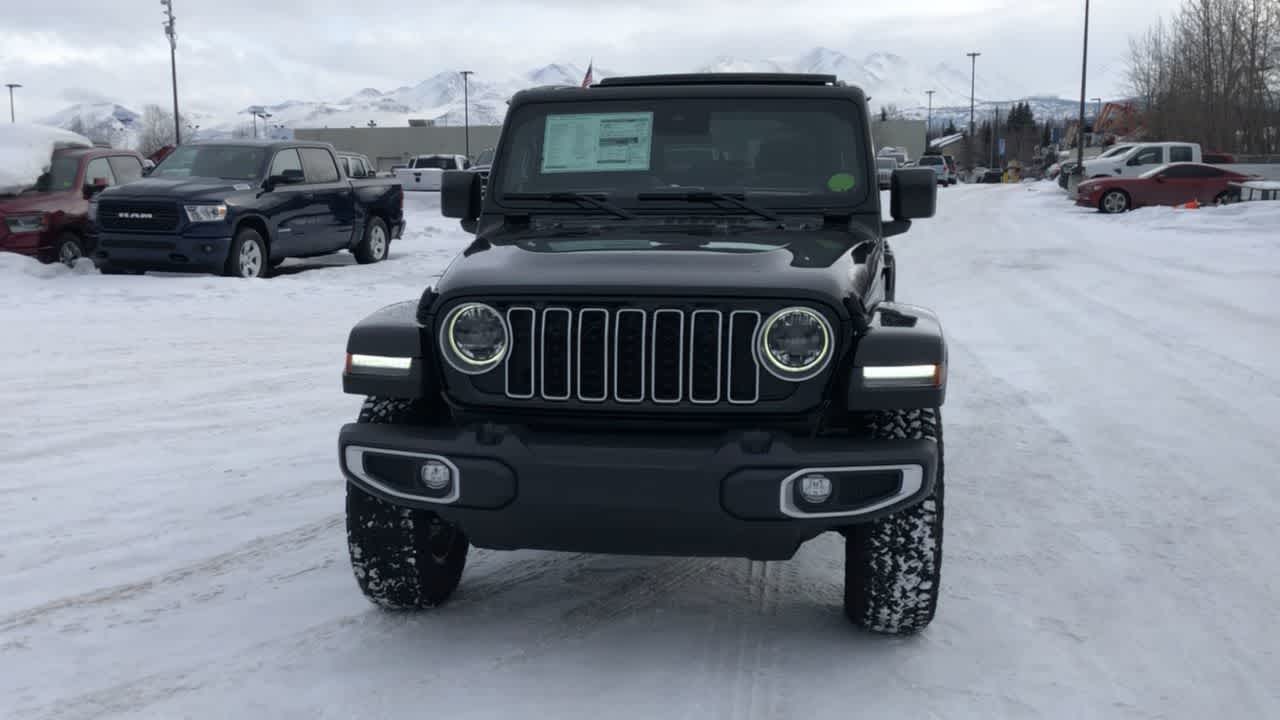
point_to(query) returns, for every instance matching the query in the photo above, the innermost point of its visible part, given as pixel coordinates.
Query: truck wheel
(69, 249)
(403, 558)
(892, 567)
(248, 257)
(373, 246)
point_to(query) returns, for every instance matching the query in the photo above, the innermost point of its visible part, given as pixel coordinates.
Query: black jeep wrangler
(673, 334)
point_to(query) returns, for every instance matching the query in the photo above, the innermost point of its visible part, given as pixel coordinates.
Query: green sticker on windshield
(841, 182)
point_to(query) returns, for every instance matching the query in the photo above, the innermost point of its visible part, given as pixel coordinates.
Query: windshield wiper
(573, 197)
(736, 199)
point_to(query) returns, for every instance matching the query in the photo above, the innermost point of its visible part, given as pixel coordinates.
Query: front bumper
(177, 253)
(726, 494)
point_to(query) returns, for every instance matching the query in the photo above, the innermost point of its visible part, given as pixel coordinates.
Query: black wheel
(403, 558)
(892, 567)
(374, 245)
(1114, 201)
(248, 257)
(69, 249)
(1226, 197)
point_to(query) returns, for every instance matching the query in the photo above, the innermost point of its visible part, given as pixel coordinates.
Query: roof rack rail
(720, 79)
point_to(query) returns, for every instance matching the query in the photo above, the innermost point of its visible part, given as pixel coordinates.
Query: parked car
(899, 154)
(356, 166)
(240, 208)
(659, 390)
(48, 219)
(953, 172)
(482, 165)
(424, 171)
(884, 171)
(1173, 184)
(1140, 158)
(938, 165)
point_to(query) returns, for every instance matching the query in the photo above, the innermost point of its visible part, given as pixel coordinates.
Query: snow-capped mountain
(100, 122)
(890, 81)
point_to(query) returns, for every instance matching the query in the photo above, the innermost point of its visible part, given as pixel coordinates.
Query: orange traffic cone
(1193, 205)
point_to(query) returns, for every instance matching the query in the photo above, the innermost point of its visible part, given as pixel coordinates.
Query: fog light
(207, 248)
(815, 489)
(436, 475)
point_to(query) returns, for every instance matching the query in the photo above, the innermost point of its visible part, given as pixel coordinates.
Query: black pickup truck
(674, 333)
(240, 208)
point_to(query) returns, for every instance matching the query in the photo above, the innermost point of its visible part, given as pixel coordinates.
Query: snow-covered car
(47, 179)
(884, 171)
(424, 171)
(596, 373)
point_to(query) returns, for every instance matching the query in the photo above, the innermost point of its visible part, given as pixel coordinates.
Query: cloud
(233, 53)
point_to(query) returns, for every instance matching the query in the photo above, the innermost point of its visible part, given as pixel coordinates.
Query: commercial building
(389, 146)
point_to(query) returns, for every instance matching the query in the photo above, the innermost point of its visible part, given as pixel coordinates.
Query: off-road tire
(892, 567)
(376, 243)
(245, 237)
(403, 558)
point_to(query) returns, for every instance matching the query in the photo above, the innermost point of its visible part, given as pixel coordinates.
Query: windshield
(228, 162)
(1154, 172)
(782, 147)
(1115, 150)
(485, 157)
(60, 177)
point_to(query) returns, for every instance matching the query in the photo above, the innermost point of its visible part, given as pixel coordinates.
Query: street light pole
(466, 110)
(973, 79)
(1084, 69)
(11, 86)
(928, 123)
(173, 67)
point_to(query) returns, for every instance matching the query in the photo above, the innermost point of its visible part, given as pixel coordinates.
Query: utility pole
(928, 123)
(995, 134)
(973, 79)
(1084, 69)
(173, 67)
(11, 86)
(466, 110)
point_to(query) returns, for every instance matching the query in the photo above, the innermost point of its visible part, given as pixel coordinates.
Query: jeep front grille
(663, 356)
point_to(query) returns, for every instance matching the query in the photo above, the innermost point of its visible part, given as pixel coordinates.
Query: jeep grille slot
(628, 355)
(136, 215)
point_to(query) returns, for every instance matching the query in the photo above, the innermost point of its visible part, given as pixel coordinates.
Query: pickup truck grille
(137, 215)
(627, 355)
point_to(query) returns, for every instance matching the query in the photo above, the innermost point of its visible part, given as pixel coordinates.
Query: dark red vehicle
(1172, 184)
(48, 219)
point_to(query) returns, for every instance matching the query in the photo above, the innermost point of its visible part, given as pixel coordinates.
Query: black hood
(195, 188)
(812, 265)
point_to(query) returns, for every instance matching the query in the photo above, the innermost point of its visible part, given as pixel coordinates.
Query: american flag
(587, 79)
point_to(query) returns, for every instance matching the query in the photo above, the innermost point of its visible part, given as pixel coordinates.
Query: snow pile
(25, 152)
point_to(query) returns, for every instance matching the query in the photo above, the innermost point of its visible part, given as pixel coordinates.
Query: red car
(1172, 184)
(48, 219)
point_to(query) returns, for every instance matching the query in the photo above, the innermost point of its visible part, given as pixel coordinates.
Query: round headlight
(474, 338)
(795, 343)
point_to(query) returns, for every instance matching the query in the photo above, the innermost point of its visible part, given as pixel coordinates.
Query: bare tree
(157, 129)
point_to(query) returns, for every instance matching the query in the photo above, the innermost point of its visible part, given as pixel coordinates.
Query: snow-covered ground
(172, 542)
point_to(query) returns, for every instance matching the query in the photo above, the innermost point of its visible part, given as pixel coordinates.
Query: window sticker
(599, 142)
(841, 182)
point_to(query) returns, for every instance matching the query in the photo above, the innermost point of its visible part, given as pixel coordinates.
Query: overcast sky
(233, 53)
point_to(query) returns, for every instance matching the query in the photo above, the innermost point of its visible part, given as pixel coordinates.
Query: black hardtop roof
(712, 85)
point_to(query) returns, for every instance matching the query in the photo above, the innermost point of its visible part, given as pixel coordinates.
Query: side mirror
(292, 176)
(460, 194)
(98, 185)
(147, 170)
(1134, 162)
(913, 193)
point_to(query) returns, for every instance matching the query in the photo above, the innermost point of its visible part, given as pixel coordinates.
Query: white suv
(938, 164)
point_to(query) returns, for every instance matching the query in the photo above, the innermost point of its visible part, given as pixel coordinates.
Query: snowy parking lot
(172, 542)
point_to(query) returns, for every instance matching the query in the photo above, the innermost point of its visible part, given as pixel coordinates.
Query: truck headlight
(795, 343)
(474, 338)
(25, 223)
(206, 213)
